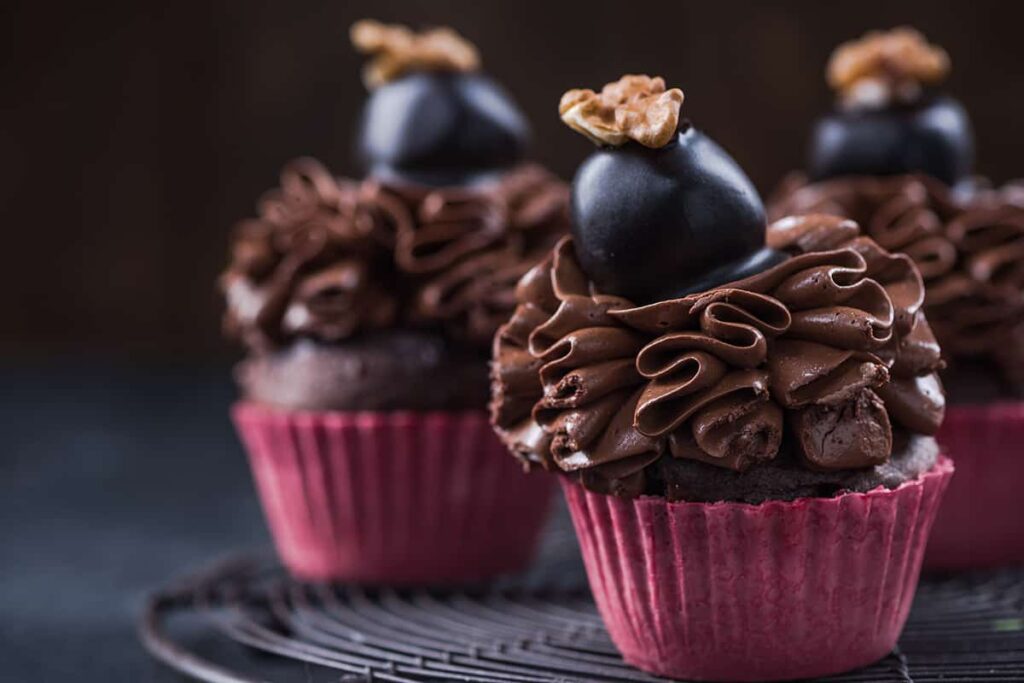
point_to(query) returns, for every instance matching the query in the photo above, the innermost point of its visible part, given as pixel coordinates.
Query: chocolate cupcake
(897, 156)
(740, 415)
(367, 308)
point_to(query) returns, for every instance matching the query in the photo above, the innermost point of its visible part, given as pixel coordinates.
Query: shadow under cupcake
(367, 309)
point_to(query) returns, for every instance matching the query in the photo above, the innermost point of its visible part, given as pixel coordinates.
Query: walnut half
(635, 107)
(397, 50)
(883, 66)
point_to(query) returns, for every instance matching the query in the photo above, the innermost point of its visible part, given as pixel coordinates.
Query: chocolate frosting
(330, 258)
(969, 247)
(820, 355)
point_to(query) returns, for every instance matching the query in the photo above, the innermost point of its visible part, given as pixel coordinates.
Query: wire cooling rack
(244, 621)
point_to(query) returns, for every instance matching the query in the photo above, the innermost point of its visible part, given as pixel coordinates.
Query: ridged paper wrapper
(392, 497)
(738, 592)
(981, 523)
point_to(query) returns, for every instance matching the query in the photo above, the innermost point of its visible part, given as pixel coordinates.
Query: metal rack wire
(541, 628)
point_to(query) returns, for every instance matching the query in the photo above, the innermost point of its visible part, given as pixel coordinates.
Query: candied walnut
(886, 65)
(634, 107)
(397, 50)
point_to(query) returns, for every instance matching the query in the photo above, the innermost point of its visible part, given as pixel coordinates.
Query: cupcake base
(395, 498)
(738, 592)
(981, 522)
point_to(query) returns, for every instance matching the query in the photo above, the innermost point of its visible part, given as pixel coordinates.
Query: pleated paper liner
(737, 592)
(981, 522)
(392, 498)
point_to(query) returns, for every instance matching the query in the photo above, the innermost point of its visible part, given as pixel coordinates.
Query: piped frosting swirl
(328, 257)
(820, 354)
(969, 249)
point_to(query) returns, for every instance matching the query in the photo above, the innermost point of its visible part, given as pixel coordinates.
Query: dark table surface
(113, 480)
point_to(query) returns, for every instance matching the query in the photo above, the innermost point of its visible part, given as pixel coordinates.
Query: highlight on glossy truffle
(398, 50)
(883, 66)
(635, 107)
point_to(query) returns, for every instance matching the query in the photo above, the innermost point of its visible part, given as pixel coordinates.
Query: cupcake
(367, 309)
(896, 156)
(740, 415)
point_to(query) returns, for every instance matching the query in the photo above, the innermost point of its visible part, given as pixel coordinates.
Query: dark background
(132, 136)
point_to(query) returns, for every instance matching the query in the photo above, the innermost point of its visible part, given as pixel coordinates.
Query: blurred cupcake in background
(897, 156)
(367, 308)
(741, 415)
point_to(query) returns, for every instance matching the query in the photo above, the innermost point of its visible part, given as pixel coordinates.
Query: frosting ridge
(595, 386)
(969, 250)
(328, 258)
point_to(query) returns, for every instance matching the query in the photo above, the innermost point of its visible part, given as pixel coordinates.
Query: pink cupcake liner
(736, 592)
(397, 498)
(981, 523)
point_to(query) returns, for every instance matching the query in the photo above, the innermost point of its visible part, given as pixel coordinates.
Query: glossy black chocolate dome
(651, 224)
(440, 128)
(931, 136)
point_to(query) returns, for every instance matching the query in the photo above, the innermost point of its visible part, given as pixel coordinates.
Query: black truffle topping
(651, 224)
(441, 128)
(931, 136)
